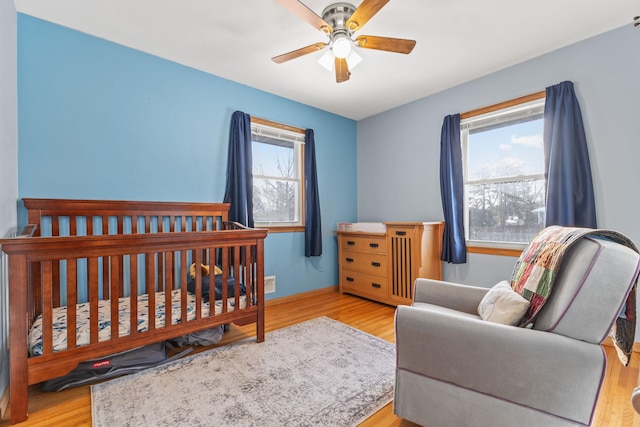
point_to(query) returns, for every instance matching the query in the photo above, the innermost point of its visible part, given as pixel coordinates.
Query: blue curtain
(313, 227)
(570, 200)
(454, 247)
(239, 190)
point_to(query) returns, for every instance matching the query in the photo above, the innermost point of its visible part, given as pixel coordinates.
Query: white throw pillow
(503, 305)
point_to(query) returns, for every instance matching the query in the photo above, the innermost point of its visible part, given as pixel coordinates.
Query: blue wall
(101, 121)
(605, 70)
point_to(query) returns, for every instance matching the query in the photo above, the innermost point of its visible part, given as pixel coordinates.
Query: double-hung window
(503, 170)
(278, 175)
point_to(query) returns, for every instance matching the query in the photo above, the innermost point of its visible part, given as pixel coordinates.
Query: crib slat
(121, 289)
(212, 284)
(92, 272)
(133, 293)
(198, 292)
(72, 300)
(169, 265)
(55, 225)
(160, 272)
(237, 274)
(47, 308)
(89, 220)
(150, 288)
(55, 284)
(225, 277)
(106, 278)
(73, 231)
(248, 276)
(184, 270)
(115, 264)
(169, 271)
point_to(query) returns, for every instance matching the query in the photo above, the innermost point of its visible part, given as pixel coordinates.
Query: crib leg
(18, 372)
(260, 324)
(18, 399)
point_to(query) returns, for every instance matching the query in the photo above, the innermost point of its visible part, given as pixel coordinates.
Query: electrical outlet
(269, 284)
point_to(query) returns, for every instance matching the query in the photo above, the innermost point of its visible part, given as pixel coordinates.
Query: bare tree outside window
(274, 198)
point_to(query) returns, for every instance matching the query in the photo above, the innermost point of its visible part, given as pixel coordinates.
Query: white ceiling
(457, 41)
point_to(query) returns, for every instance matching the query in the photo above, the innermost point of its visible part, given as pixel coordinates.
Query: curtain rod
(504, 104)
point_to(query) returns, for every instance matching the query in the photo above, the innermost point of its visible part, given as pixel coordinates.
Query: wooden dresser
(381, 260)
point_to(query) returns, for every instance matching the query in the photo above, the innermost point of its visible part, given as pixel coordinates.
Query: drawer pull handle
(349, 259)
(376, 285)
(375, 264)
(349, 279)
(351, 242)
(373, 245)
(401, 233)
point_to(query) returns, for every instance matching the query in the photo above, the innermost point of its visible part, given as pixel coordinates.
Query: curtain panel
(313, 223)
(239, 189)
(570, 199)
(454, 247)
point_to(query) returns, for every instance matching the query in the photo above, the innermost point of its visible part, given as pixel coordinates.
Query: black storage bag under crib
(231, 291)
(115, 365)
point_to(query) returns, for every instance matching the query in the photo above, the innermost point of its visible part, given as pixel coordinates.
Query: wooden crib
(80, 255)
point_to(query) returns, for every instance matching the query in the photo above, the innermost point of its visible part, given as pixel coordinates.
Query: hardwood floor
(73, 407)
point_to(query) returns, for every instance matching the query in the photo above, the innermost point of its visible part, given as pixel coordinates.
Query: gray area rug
(316, 373)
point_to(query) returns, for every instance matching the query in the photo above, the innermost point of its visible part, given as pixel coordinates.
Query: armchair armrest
(447, 294)
(533, 368)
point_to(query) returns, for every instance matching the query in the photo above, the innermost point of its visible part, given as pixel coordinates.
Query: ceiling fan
(339, 21)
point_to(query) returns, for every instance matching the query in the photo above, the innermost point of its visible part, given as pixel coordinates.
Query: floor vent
(269, 284)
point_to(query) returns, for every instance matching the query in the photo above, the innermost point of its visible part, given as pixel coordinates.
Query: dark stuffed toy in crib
(204, 272)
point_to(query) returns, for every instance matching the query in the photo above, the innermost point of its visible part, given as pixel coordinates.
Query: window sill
(284, 229)
(494, 249)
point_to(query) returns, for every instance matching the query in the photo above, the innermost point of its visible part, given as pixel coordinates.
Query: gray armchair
(455, 369)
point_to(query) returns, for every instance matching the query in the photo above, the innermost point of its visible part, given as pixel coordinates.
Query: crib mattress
(104, 316)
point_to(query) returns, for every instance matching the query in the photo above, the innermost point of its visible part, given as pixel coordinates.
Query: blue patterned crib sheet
(104, 319)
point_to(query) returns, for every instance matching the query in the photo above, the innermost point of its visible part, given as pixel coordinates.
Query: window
(504, 183)
(278, 175)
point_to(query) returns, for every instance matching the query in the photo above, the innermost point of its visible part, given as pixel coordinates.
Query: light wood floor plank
(73, 407)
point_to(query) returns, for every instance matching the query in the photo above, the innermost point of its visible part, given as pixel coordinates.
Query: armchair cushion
(503, 305)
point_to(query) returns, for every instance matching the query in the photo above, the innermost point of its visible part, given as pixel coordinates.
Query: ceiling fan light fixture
(341, 46)
(353, 59)
(327, 60)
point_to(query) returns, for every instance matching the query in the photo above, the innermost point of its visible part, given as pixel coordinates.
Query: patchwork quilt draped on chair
(537, 268)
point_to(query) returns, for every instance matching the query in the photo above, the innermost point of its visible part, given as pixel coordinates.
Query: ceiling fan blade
(298, 53)
(342, 70)
(307, 15)
(364, 12)
(386, 43)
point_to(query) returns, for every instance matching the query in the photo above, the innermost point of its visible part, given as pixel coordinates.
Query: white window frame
(293, 135)
(500, 113)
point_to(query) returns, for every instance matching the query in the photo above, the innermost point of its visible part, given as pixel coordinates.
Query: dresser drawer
(364, 262)
(352, 243)
(363, 283)
(374, 245)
